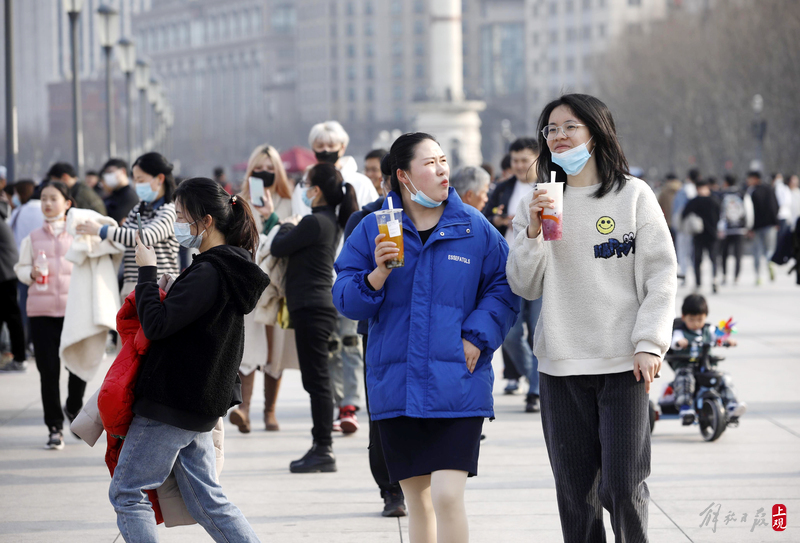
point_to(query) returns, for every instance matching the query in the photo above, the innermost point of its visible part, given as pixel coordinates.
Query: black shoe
(394, 504)
(56, 441)
(318, 459)
(532, 404)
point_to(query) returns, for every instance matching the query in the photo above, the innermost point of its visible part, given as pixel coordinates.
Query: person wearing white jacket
(608, 289)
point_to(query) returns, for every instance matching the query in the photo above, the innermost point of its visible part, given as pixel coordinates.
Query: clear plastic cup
(390, 224)
(552, 219)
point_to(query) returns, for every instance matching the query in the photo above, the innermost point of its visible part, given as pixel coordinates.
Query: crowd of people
(222, 281)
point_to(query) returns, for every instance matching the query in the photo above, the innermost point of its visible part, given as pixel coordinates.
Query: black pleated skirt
(414, 447)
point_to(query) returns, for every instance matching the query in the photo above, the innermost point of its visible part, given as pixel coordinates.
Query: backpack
(733, 210)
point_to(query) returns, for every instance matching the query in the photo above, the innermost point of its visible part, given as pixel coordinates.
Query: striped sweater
(159, 233)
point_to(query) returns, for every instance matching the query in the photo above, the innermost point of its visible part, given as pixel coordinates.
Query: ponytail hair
(200, 196)
(401, 155)
(334, 189)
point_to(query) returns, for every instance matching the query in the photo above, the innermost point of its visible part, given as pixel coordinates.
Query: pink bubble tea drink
(552, 219)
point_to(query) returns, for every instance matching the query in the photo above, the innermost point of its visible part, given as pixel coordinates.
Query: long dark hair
(63, 189)
(334, 189)
(612, 166)
(154, 164)
(201, 196)
(401, 155)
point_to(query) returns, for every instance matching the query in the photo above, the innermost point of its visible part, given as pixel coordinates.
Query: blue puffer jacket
(453, 287)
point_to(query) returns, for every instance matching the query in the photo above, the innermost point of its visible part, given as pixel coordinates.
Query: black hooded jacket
(187, 379)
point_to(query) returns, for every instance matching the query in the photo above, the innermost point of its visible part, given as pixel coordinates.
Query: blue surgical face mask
(573, 161)
(145, 192)
(183, 234)
(15, 200)
(421, 198)
(306, 200)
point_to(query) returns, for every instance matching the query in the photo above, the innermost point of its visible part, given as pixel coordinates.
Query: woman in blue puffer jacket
(434, 325)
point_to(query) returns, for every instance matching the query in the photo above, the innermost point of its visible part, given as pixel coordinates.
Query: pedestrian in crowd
(431, 335)
(329, 142)
(372, 167)
(784, 196)
(265, 164)
(705, 206)
(500, 210)
(506, 172)
(472, 185)
(222, 179)
(393, 500)
(155, 186)
(683, 238)
(92, 179)
(188, 379)
(794, 189)
(9, 307)
(41, 261)
(121, 196)
(81, 193)
(765, 222)
(666, 197)
(736, 217)
(26, 218)
(311, 249)
(606, 317)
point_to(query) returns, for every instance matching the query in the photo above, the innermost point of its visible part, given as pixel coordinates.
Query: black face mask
(327, 156)
(267, 177)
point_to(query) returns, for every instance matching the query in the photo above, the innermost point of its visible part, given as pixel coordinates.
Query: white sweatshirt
(608, 288)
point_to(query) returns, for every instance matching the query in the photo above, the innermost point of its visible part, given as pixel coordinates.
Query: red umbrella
(297, 159)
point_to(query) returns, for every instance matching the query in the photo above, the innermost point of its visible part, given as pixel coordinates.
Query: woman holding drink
(606, 273)
(438, 307)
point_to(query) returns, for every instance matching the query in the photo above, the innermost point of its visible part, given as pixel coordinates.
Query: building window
(553, 37)
(351, 50)
(587, 4)
(368, 7)
(419, 6)
(535, 67)
(397, 7)
(419, 28)
(397, 27)
(351, 29)
(587, 32)
(335, 94)
(570, 34)
(601, 30)
(351, 116)
(419, 49)
(350, 9)
(369, 28)
(419, 70)
(397, 48)
(635, 29)
(333, 9)
(587, 62)
(570, 65)
(553, 8)
(369, 50)
(554, 65)
(634, 2)
(398, 115)
(334, 30)
(397, 71)
(398, 92)
(370, 94)
(351, 95)
(334, 51)
(601, 3)
(369, 71)
(334, 73)
(351, 72)
(535, 38)
(536, 10)
(284, 18)
(568, 6)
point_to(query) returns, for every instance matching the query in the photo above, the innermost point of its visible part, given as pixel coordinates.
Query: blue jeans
(518, 348)
(347, 366)
(152, 450)
(764, 244)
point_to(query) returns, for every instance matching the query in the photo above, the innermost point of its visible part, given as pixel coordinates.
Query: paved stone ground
(61, 496)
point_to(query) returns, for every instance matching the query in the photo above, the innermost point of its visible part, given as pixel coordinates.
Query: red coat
(115, 399)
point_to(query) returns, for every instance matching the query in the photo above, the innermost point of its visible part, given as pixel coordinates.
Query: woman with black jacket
(311, 248)
(188, 379)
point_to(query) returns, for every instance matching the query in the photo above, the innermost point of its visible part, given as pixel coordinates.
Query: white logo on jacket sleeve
(457, 258)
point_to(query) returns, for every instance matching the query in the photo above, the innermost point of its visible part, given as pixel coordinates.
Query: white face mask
(110, 180)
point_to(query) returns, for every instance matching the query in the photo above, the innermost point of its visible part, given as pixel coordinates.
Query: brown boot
(271, 387)
(241, 415)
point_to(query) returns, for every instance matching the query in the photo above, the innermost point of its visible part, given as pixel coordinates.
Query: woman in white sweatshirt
(608, 291)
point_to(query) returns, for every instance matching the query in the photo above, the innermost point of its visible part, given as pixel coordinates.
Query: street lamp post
(668, 132)
(759, 131)
(153, 91)
(12, 143)
(142, 76)
(73, 9)
(108, 30)
(127, 62)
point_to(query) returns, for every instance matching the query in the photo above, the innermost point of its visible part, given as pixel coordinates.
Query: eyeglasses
(550, 131)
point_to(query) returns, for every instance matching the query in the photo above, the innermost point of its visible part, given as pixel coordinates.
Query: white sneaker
(688, 415)
(14, 367)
